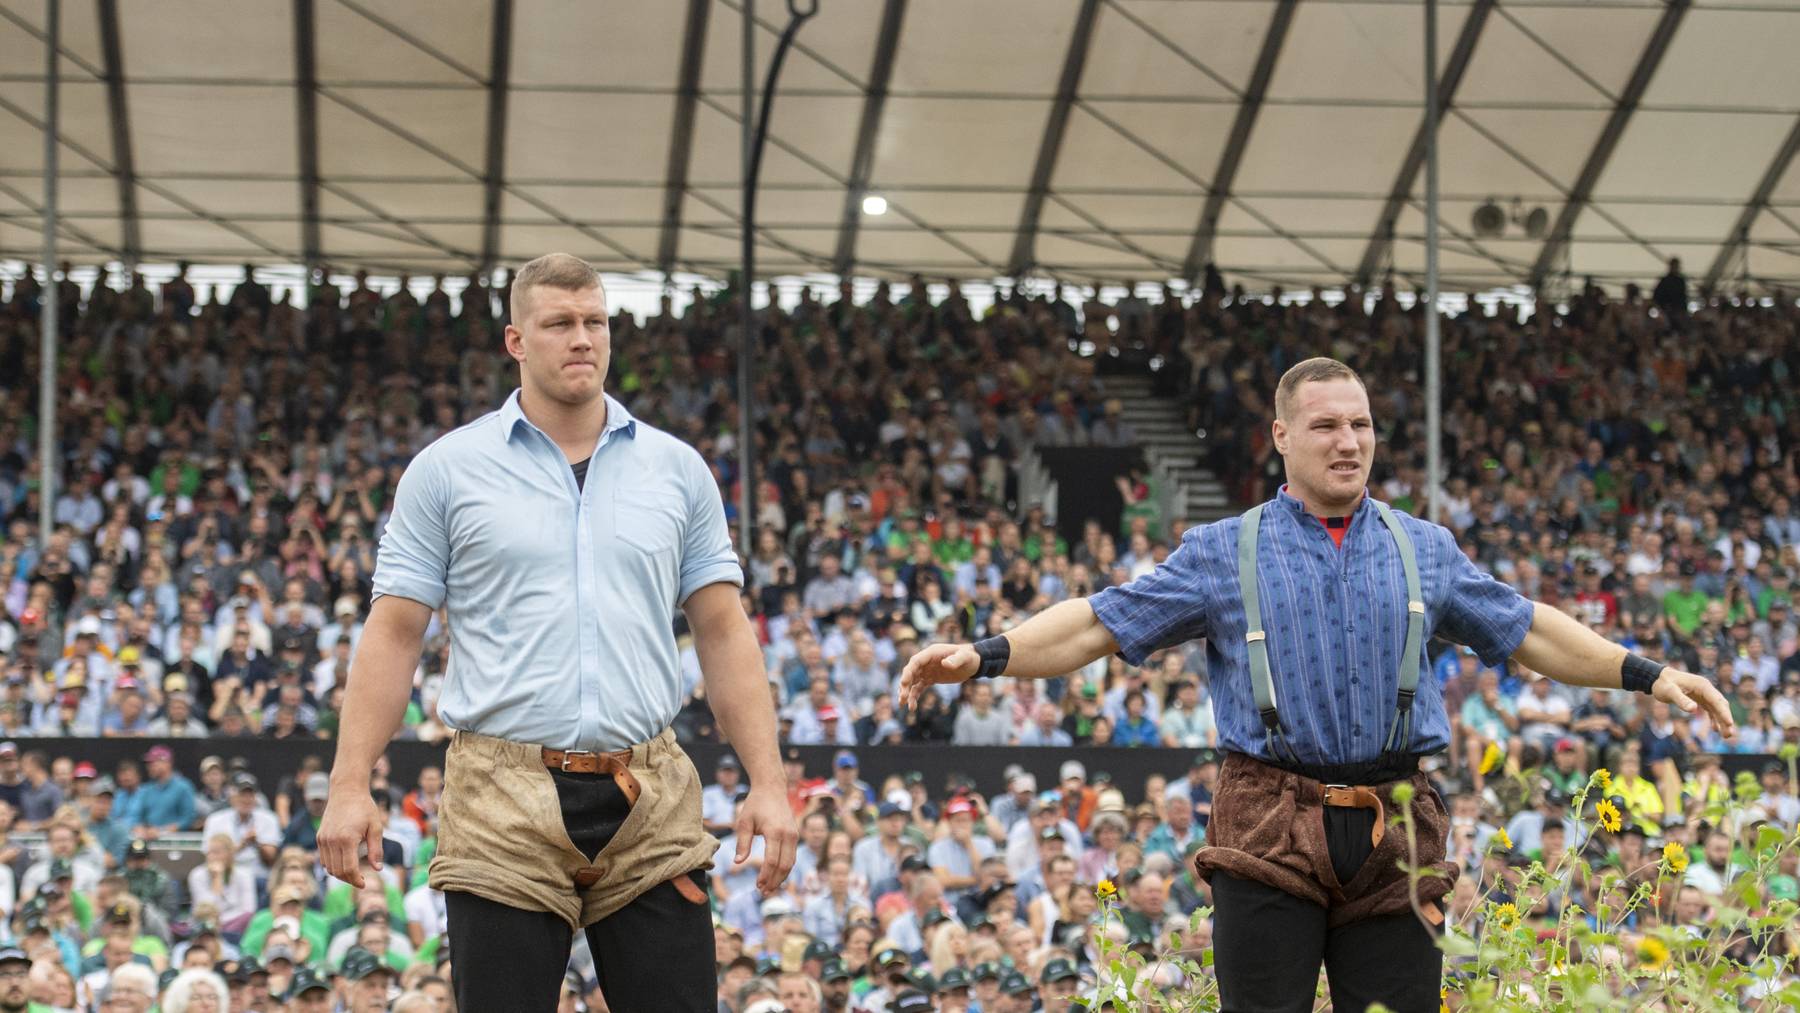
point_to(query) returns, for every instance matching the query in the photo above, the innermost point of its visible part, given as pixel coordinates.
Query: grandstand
(1053, 353)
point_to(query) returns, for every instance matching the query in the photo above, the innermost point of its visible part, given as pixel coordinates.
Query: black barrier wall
(271, 759)
(1085, 487)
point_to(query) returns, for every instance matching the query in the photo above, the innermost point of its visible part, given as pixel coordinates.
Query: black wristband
(995, 652)
(1638, 673)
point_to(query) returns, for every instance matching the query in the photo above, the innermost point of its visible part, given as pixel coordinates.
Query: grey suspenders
(1256, 639)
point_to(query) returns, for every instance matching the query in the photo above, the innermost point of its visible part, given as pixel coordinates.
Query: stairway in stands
(1173, 451)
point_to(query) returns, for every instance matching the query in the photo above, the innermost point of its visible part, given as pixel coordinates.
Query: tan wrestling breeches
(501, 835)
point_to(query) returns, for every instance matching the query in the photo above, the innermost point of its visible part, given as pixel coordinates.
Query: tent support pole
(50, 294)
(1434, 416)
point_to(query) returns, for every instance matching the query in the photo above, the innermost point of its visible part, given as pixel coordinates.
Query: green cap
(305, 980)
(360, 963)
(954, 978)
(1058, 970)
(834, 970)
(987, 970)
(1014, 983)
(922, 980)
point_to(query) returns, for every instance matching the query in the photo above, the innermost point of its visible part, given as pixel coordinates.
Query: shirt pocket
(650, 522)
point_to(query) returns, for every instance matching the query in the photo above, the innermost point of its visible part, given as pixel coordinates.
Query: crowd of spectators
(227, 459)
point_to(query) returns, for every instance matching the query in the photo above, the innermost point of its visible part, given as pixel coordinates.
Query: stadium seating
(228, 464)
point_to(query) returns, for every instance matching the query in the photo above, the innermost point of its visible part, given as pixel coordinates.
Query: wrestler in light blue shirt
(561, 598)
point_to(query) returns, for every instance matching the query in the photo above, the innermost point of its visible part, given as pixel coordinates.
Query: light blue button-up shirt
(561, 600)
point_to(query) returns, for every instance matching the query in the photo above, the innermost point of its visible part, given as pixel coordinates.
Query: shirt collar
(1294, 505)
(512, 415)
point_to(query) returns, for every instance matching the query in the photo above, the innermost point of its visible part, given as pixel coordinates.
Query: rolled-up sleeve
(706, 553)
(1478, 611)
(413, 560)
(1167, 606)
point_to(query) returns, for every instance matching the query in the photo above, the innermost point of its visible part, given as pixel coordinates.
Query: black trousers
(656, 953)
(1268, 943)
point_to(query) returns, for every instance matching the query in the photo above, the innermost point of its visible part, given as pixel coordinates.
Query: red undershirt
(1334, 526)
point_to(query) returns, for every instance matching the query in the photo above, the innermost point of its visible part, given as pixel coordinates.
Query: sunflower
(1603, 778)
(1500, 841)
(1652, 953)
(1105, 890)
(1505, 917)
(1608, 815)
(1491, 757)
(1675, 858)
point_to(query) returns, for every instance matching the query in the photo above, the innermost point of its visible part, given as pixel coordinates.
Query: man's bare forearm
(1057, 641)
(1562, 648)
(731, 665)
(380, 686)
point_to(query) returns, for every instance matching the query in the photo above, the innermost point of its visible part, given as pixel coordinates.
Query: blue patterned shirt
(561, 598)
(1336, 623)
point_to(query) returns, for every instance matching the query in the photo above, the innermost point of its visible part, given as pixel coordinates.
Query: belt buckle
(569, 754)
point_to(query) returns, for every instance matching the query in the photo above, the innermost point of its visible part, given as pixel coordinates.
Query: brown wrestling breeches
(1275, 827)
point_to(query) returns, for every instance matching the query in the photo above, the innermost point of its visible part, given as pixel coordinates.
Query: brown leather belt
(581, 761)
(618, 766)
(1356, 796)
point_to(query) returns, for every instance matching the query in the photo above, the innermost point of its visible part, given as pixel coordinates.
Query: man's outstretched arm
(1565, 650)
(1054, 642)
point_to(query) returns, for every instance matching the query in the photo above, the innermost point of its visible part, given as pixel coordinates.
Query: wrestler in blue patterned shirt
(1336, 622)
(1290, 836)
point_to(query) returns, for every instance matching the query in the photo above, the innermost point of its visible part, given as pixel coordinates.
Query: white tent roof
(1081, 139)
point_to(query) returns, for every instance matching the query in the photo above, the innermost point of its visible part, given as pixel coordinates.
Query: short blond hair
(1314, 370)
(555, 270)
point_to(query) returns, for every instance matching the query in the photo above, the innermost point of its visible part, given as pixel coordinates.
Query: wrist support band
(995, 652)
(1639, 673)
